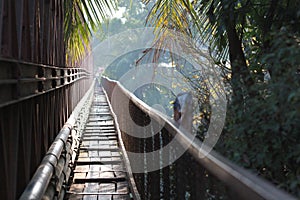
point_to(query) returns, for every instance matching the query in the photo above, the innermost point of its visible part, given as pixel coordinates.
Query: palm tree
(213, 22)
(81, 18)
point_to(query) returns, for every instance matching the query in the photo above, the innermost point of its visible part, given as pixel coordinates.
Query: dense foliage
(263, 134)
(261, 41)
(263, 130)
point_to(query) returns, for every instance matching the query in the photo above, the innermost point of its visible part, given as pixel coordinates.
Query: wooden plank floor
(99, 172)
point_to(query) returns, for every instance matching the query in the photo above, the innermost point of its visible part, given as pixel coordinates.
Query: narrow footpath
(99, 171)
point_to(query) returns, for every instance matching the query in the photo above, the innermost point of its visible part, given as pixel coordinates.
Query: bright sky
(115, 14)
(118, 13)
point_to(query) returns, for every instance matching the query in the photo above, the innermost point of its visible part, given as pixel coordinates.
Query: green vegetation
(134, 16)
(81, 18)
(257, 38)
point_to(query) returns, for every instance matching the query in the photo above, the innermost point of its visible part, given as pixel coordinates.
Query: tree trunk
(241, 80)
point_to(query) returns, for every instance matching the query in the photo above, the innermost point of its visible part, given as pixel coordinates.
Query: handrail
(240, 180)
(22, 80)
(50, 168)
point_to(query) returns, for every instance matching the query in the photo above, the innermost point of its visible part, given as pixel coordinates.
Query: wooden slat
(99, 172)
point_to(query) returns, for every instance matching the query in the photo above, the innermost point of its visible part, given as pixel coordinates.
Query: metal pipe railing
(23, 80)
(35, 102)
(54, 167)
(193, 171)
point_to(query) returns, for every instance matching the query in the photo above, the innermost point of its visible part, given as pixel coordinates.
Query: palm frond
(81, 18)
(167, 16)
(199, 19)
(170, 14)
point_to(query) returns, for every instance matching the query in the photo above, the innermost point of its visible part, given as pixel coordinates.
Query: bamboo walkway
(99, 171)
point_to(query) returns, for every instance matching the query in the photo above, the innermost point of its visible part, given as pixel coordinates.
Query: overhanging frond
(81, 18)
